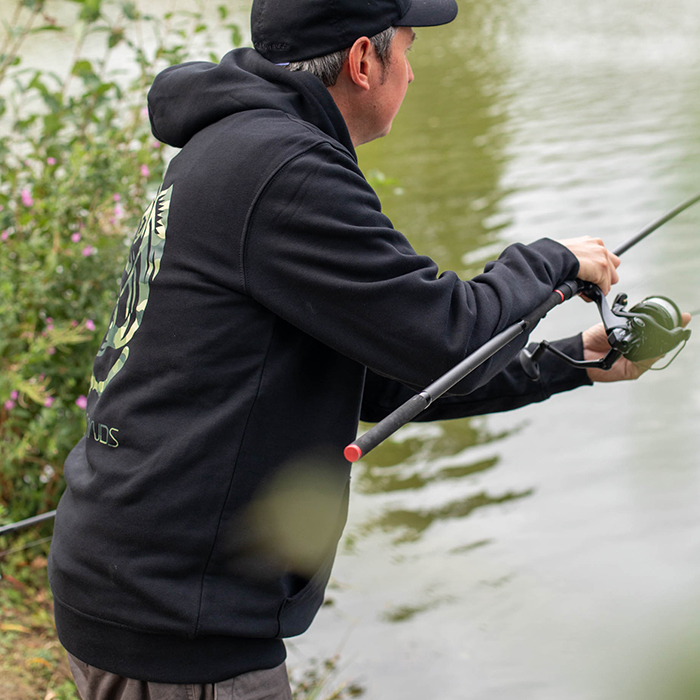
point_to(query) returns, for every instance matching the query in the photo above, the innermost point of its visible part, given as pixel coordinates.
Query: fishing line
(15, 550)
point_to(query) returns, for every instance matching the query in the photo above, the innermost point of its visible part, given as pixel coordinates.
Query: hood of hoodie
(186, 99)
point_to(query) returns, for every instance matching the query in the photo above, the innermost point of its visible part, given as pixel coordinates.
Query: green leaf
(236, 36)
(130, 11)
(223, 11)
(82, 68)
(115, 38)
(47, 28)
(91, 10)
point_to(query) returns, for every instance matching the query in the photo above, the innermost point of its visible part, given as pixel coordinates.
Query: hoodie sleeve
(319, 253)
(508, 390)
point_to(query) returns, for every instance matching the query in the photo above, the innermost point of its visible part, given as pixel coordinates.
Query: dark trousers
(95, 684)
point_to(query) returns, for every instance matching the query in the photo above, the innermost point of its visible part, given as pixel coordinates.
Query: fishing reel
(646, 331)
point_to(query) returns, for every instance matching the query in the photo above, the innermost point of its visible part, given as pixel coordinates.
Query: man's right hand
(596, 263)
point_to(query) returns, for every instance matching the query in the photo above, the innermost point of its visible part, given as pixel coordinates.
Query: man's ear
(360, 62)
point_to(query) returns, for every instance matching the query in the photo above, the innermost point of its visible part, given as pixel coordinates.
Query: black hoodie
(266, 307)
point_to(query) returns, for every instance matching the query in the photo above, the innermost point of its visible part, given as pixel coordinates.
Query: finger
(685, 319)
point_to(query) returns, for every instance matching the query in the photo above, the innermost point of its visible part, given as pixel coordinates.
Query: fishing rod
(646, 331)
(13, 527)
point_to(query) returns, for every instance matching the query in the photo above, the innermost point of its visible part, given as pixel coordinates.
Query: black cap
(297, 30)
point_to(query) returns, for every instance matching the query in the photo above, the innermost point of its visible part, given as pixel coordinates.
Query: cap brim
(428, 13)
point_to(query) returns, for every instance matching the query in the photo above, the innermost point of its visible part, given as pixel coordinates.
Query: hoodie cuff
(559, 256)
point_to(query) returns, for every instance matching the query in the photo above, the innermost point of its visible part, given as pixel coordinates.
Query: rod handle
(387, 426)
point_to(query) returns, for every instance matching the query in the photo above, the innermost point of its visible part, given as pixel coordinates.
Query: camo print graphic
(141, 269)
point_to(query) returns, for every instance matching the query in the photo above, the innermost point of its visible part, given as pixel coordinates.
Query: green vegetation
(78, 166)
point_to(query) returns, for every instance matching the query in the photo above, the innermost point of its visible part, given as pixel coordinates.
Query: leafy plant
(78, 166)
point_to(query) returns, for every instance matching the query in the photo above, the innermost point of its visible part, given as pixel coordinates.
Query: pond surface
(551, 552)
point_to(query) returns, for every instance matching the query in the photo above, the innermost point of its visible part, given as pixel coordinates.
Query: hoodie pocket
(298, 611)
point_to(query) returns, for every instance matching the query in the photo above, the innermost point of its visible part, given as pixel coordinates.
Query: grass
(33, 664)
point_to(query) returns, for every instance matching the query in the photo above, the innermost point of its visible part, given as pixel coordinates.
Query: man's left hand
(595, 346)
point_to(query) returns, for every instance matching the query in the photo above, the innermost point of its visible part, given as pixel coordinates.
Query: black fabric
(297, 30)
(266, 303)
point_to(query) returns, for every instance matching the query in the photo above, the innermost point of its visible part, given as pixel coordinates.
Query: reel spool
(654, 328)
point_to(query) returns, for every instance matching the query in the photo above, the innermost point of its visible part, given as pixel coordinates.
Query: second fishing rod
(645, 331)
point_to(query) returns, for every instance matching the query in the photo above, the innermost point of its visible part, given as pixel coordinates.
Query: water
(551, 552)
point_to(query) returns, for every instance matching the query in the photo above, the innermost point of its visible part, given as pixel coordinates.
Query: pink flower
(145, 171)
(51, 351)
(118, 211)
(14, 395)
(87, 251)
(81, 402)
(27, 199)
(49, 401)
(90, 324)
(117, 197)
(75, 237)
(9, 405)
(51, 160)
(156, 144)
(73, 324)
(4, 235)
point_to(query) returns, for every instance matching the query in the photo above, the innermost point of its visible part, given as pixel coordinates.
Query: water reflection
(447, 144)
(412, 523)
(406, 612)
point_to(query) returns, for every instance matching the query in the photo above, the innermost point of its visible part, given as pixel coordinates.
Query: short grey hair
(327, 68)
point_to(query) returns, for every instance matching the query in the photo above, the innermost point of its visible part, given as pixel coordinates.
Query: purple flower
(87, 251)
(145, 171)
(49, 401)
(75, 237)
(81, 402)
(90, 324)
(27, 199)
(9, 405)
(14, 395)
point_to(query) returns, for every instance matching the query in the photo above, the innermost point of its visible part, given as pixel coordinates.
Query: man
(267, 305)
